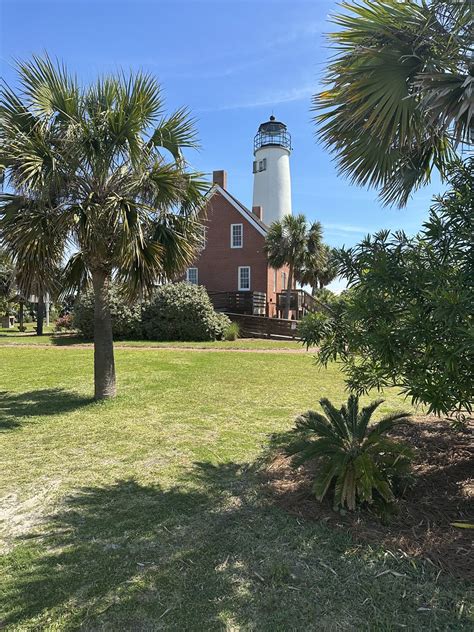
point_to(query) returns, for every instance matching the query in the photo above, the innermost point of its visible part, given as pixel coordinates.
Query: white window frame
(283, 281)
(232, 235)
(239, 279)
(204, 238)
(197, 276)
(275, 280)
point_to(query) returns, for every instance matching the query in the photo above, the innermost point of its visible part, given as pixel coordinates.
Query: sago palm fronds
(355, 460)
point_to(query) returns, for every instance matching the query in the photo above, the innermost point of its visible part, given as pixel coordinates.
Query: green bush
(126, 317)
(406, 320)
(181, 311)
(358, 463)
(232, 332)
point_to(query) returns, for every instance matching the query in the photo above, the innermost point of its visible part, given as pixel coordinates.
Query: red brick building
(234, 259)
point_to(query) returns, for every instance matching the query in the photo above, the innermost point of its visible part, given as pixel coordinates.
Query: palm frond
(49, 88)
(336, 417)
(176, 133)
(395, 88)
(365, 416)
(360, 464)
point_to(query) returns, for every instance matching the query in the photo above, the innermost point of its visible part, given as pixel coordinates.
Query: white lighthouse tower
(271, 168)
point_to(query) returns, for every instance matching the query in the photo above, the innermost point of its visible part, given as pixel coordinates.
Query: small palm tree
(355, 459)
(97, 172)
(399, 95)
(287, 243)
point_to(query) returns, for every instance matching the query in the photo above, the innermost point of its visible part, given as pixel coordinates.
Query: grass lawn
(12, 337)
(146, 513)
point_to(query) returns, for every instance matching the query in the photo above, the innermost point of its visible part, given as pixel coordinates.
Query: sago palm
(400, 92)
(287, 244)
(96, 175)
(353, 458)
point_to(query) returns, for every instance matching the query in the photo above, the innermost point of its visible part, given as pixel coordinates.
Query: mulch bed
(443, 493)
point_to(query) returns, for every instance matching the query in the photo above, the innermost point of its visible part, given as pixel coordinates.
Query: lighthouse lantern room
(271, 168)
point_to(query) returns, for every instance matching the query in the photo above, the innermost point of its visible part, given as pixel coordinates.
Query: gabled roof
(257, 223)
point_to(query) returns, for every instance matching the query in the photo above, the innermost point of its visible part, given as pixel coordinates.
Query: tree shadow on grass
(208, 554)
(67, 340)
(16, 407)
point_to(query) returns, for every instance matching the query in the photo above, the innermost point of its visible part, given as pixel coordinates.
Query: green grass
(146, 513)
(12, 337)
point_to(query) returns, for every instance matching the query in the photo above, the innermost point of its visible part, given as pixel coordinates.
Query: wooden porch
(301, 303)
(251, 303)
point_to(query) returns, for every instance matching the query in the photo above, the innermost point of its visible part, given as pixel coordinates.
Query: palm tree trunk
(104, 364)
(21, 315)
(40, 315)
(288, 292)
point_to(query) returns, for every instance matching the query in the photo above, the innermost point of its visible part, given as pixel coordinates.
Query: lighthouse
(271, 169)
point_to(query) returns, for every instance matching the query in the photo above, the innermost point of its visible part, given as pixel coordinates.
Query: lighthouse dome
(272, 132)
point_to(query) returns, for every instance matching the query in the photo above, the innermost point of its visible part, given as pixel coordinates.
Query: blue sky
(233, 62)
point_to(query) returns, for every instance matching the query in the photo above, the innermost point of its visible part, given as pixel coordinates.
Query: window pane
(244, 278)
(237, 230)
(192, 275)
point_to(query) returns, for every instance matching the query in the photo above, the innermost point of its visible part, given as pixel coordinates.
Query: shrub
(357, 463)
(64, 323)
(181, 311)
(232, 332)
(407, 319)
(126, 317)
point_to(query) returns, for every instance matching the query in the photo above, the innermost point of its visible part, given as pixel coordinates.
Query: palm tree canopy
(287, 242)
(320, 266)
(98, 171)
(330, 267)
(400, 92)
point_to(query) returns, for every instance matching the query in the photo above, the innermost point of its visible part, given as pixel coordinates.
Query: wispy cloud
(347, 228)
(286, 96)
(231, 63)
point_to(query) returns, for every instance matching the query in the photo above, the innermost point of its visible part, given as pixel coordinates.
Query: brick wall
(218, 263)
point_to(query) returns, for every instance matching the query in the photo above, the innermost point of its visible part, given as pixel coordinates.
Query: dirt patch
(85, 345)
(443, 493)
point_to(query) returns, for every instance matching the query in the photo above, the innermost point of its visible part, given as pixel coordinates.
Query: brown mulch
(443, 493)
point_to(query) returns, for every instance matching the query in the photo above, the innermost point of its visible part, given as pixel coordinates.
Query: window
(259, 165)
(203, 238)
(236, 235)
(283, 280)
(244, 278)
(275, 277)
(192, 275)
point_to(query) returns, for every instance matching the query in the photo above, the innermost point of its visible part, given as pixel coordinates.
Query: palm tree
(329, 268)
(319, 269)
(399, 95)
(97, 171)
(287, 243)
